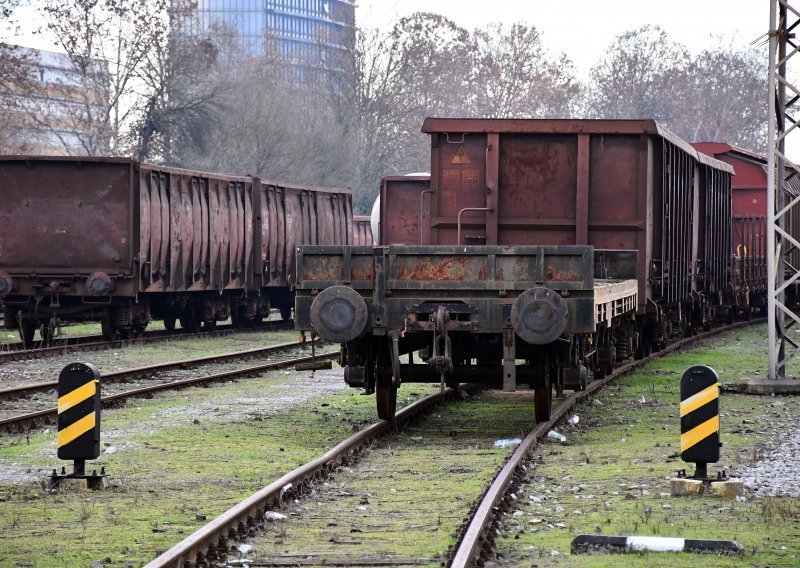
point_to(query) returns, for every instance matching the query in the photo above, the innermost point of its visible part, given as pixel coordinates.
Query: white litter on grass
(507, 443)
(110, 450)
(245, 548)
(553, 435)
(574, 419)
(273, 516)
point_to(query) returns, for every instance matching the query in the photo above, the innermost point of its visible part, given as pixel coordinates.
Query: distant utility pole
(783, 197)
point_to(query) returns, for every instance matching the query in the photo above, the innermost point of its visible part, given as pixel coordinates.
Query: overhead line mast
(783, 203)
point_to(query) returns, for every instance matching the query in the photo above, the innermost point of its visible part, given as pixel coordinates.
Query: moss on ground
(406, 499)
(168, 475)
(612, 477)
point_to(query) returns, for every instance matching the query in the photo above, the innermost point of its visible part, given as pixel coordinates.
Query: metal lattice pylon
(783, 203)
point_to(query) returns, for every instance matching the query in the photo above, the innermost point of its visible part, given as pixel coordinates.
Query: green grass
(163, 476)
(593, 485)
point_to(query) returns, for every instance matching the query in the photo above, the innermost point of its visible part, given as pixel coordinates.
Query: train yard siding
(612, 477)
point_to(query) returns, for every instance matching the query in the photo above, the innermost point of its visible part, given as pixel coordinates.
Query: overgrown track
(16, 352)
(210, 543)
(475, 545)
(27, 420)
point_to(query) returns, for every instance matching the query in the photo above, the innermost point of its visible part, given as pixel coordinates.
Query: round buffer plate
(539, 315)
(338, 314)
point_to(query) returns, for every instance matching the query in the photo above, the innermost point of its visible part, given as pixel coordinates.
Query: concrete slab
(789, 386)
(78, 484)
(727, 489)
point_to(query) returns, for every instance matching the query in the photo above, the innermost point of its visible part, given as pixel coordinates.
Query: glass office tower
(307, 33)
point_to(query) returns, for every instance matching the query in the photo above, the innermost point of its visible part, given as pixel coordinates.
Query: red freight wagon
(749, 236)
(116, 241)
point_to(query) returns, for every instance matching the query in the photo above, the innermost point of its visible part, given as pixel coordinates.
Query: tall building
(53, 108)
(315, 34)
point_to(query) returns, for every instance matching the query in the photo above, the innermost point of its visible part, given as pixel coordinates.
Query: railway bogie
(121, 243)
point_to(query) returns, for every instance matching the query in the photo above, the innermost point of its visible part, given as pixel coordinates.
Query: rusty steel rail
(12, 351)
(477, 537)
(208, 542)
(117, 376)
(21, 421)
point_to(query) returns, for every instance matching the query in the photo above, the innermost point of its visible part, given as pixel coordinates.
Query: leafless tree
(725, 98)
(106, 42)
(638, 77)
(15, 78)
(515, 76)
(717, 95)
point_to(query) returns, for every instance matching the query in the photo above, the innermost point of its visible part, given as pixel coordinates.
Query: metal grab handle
(422, 213)
(487, 209)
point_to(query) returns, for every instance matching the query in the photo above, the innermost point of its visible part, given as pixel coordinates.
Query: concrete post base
(727, 489)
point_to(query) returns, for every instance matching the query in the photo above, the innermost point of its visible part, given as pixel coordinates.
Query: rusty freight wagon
(569, 244)
(362, 230)
(749, 236)
(119, 242)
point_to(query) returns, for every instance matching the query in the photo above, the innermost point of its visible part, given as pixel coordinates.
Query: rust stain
(553, 275)
(482, 272)
(356, 274)
(447, 269)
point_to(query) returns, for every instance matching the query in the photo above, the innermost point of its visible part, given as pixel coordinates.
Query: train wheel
(47, 333)
(26, 330)
(542, 401)
(169, 323)
(109, 330)
(385, 391)
(189, 321)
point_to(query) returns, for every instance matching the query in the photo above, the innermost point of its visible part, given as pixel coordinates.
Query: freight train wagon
(120, 242)
(567, 244)
(362, 230)
(749, 239)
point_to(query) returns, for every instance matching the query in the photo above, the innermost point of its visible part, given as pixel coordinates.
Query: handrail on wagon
(458, 233)
(422, 213)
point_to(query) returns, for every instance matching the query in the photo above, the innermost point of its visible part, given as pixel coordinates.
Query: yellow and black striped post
(700, 418)
(79, 415)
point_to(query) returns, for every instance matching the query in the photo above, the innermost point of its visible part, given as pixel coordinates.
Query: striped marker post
(587, 543)
(700, 418)
(78, 416)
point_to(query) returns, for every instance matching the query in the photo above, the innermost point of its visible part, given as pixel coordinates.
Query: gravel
(777, 472)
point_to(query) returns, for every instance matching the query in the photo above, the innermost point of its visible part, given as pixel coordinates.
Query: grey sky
(584, 28)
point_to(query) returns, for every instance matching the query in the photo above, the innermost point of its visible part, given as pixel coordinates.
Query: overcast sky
(584, 28)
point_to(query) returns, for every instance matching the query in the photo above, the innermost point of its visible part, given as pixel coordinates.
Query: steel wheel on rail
(26, 329)
(542, 401)
(385, 391)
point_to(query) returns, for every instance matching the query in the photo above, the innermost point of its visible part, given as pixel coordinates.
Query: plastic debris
(245, 548)
(574, 419)
(507, 443)
(110, 450)
(553, 435)
(273, 516)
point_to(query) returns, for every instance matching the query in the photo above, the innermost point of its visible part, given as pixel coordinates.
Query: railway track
(210, 543)
(16, 351)
(475, 544)
(112, 381)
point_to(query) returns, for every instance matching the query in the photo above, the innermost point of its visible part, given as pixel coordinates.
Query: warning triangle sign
(461, 157)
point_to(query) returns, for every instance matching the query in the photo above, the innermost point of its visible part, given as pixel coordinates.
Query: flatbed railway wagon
(550, 248)
(120, 242)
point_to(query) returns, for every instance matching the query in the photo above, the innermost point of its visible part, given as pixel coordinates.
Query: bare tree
(725, 99)
(106, 42)
(15, 79)
(515, 76)
(182, 85)
(638, 77)
(716, 95)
